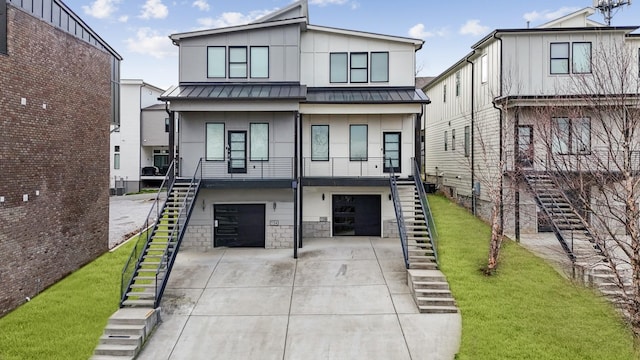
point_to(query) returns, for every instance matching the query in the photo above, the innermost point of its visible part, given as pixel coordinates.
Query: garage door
(239, 225)
(357, 215)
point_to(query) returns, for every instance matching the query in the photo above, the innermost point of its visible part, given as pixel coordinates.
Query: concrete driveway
(344, 298)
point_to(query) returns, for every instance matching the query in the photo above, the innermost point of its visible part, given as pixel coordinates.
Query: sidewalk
(344, 298)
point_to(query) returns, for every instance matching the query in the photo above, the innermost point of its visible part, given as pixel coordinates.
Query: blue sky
(139, 29)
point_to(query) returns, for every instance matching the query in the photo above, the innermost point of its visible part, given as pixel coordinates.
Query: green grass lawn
(66, 320)
(527, 310)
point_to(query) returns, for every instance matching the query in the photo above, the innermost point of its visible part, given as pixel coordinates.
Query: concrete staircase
(421, 252)
(125, 334)
(430, 291)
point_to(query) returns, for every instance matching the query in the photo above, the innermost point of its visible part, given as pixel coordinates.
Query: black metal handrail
(426, 210)
(399, 218)
(145, 233)
(169, 255)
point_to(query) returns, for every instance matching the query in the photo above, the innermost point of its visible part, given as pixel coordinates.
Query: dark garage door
(239, 225)
(357, 215)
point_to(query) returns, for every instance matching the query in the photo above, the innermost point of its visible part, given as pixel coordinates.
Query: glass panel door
(391, 152)
(237, 152)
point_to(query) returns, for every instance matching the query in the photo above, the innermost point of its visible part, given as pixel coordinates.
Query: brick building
(54, 150)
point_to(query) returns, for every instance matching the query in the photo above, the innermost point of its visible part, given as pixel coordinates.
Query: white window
(581, 52)
(379, 67)
(560, 58)
(216, 62)
(319, 142)
(338, 65)
(238, 62)
(358, 142)
(215, 142)
(259, 142)
(259, 62)
(359, 67)
(484, 69)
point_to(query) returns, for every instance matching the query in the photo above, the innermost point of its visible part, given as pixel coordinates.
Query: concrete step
(436, 285)
(116, 350)
(142, 294)
(424, 266)
(421, 258)
(110, 357)
(432, 293)
(435, 301)
(134, 340)
(426, 275)
(121, 329)
(138, 303)
(426, 309)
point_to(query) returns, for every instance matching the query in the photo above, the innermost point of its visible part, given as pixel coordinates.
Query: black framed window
(446, 141)
(259, 62)
(444, 93)
(214, 142)
(379, 67)
(571, 136)
(453, 139)
(167, 125)
(581, 57)
(259, 142)
(3, 27)
(457, 83)
(216, 62)
(358, 142)
(359, 67)
(467, 141)
(559, 58)
(319, 142)
(237, 62)
(338, 67)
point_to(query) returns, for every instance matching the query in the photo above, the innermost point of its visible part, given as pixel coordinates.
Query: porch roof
(366, 96)
(235, 91)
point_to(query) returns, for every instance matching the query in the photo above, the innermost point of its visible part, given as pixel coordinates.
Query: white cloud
(418, 32)
(232, 19)
(154, 9)
(473, 27)
(150, 42)
(123, 18)
(201, 4)
(549, 14)
(101, 9)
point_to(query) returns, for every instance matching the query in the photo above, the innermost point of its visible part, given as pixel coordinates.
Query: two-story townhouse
(288, 125)
(139, 150)
(54, 157)
(526, 103)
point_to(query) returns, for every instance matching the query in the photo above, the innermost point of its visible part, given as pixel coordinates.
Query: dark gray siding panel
(3, 26)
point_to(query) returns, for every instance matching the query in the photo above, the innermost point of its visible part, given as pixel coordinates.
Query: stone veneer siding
(200, 237)
(57, 144)
(316, 229)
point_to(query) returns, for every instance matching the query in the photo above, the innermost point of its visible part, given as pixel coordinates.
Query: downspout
(300, 175)
(473, 126)
(418, 140)
(501, 158)
(172, 137)
(295, 185)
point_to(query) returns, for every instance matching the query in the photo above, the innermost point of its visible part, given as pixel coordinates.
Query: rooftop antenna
(606, 7)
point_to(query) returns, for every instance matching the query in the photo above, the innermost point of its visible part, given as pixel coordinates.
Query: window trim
(484, 69)
(366, 68)
(224, 62)
(328, 143)
(251, 62)
(251, 158)
(551, 58)
(206, 142)
(467, 141)
(246, 62)
(457, 76)
(346, 69)
(371, 67)
(366, 149)
(573, 57)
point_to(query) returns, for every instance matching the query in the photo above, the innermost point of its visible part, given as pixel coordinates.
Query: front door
(525, 146)
(238, 225)
(391, 150)
(237, 152)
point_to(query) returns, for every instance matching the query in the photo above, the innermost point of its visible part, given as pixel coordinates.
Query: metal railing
(597, 159)
(273, 168)
(402, 230)
(346, 167)
(146, 231)
(426, 210)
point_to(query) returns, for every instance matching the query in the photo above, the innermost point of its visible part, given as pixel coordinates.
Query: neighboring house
(54, 202)
(140, 144)
(288, 124)
(519, 102)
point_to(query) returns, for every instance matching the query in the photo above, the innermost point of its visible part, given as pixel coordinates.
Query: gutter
(473, 120)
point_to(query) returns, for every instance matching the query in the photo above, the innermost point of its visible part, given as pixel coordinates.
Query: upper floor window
(358, 142)
(259, 142)
(359, 67)
(214, 141)
(581, 53)
(571, 136)
(446, 141)
(444, 93)
(238, 62)
(3, 27)
(453, 139)
(259, 61)
(457, 83)
(467, 141)
(320, 142)
(484, 69)
(559, 58)
(379, 67)
(338, 67)
(167, 124)
(216, 62)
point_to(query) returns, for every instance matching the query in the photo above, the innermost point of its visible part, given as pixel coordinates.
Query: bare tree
(592, 151)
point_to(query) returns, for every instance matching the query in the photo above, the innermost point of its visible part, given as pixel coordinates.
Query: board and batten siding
(284, 51)
(316, 47)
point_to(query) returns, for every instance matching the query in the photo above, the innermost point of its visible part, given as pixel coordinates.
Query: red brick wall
(61, 151)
